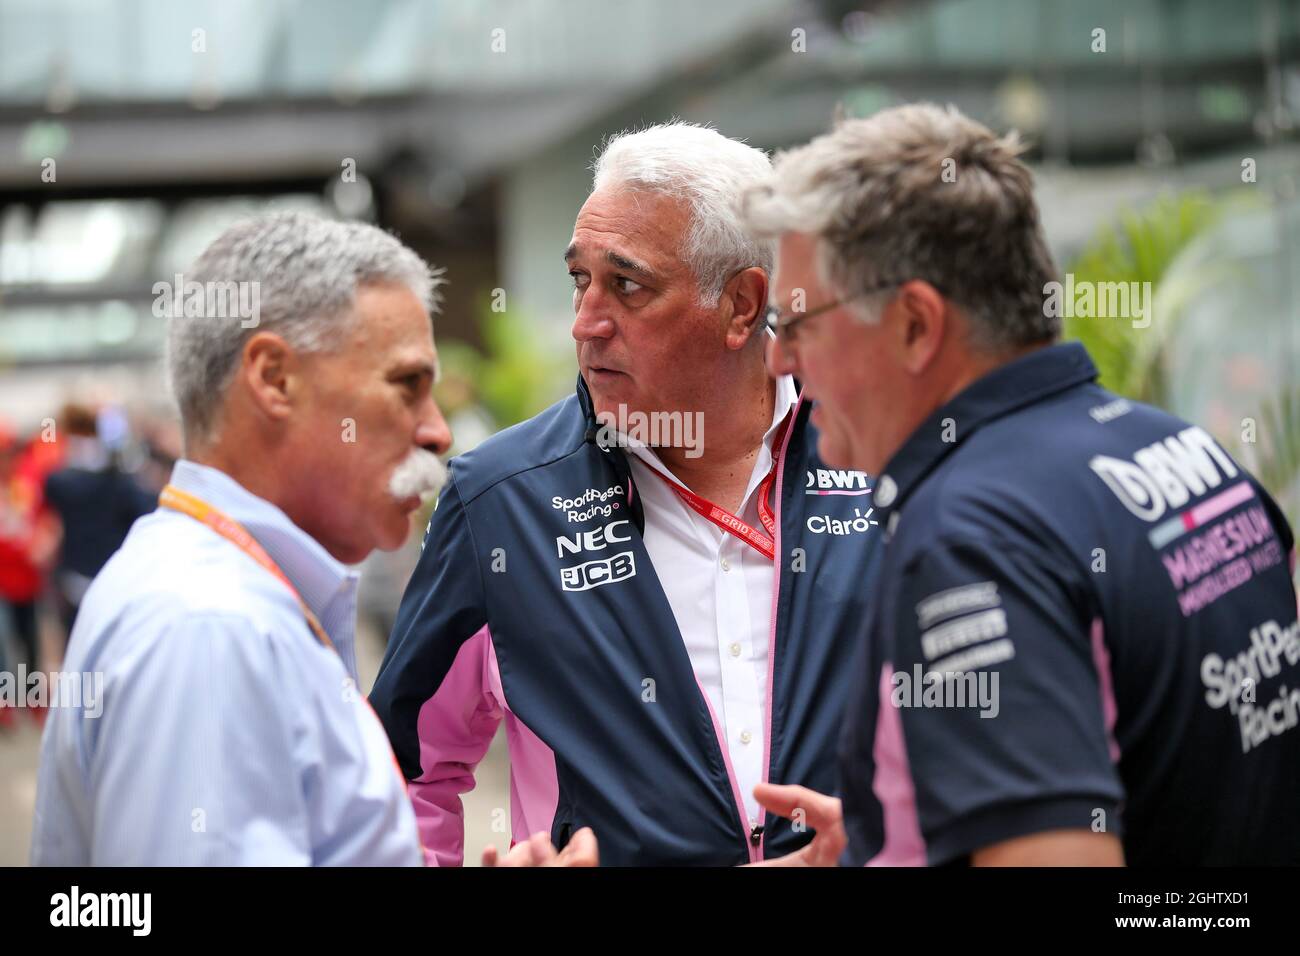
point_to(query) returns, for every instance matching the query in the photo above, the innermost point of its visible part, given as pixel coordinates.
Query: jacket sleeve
(433, 694)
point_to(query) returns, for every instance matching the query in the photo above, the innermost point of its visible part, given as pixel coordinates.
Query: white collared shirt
(720, 590)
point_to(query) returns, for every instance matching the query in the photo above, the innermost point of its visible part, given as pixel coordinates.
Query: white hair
(305, 271)
(710, 173)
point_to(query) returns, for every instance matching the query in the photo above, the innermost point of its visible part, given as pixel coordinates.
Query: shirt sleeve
(439, 719)
(996, 680)
(201, 718)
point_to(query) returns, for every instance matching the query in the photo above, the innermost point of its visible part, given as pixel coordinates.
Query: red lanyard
(724, 519)
(230, 529)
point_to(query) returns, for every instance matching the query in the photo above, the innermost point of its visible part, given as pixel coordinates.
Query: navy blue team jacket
(579, 623)
(1129, 587)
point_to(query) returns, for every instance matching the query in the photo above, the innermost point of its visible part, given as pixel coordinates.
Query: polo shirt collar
(1021, 382)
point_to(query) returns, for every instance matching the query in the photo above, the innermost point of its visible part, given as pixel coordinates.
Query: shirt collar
(1024, 381)
(319, 578)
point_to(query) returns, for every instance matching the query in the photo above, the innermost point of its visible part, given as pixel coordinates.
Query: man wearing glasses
(1082, 647)
(662, 618)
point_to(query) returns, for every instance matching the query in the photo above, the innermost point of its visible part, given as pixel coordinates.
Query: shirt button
(746, 736)
(886, 491)
(735, 648)
(726, 565)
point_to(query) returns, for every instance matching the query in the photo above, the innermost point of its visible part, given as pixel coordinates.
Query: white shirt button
(746, 736)
(886, 491)
(726, 565)
(735, 648)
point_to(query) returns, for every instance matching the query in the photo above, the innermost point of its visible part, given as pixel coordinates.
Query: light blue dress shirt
(228, 735)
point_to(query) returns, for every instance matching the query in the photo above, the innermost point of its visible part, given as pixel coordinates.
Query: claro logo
(605, 570)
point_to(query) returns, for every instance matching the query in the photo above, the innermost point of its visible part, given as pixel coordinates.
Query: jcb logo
(594, 540)
(583, 577)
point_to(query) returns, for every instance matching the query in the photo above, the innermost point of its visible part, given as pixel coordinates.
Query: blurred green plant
(1140, 248)
(1131, 361)
(517, 374)
(1278, 460)
(523, 372)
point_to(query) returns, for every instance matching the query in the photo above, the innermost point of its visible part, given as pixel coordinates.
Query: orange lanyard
(724, 519)
(234, 532)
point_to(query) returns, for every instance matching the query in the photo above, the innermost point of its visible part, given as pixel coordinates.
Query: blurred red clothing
(25, 529)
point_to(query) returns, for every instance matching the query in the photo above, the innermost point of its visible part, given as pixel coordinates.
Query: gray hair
(710, 173)
(920, 192)
(303, 272)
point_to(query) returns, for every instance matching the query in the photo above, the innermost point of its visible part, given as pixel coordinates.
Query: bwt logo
(837, 482)
(583, 577)
(595, 540)
(1165, 474)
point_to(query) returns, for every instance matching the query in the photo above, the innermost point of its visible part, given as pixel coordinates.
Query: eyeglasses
(783, 324)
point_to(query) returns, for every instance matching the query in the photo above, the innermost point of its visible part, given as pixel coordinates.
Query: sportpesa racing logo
(1235, 681)
(592, 503)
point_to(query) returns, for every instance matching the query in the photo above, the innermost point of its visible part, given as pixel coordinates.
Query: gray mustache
(421, 474)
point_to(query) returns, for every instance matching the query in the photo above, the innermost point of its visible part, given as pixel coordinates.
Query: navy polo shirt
(1084, 618)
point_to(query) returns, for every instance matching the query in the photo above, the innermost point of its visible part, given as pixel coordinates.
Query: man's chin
(388, 539)
(606, 397)
(397, 529)
(832, 451)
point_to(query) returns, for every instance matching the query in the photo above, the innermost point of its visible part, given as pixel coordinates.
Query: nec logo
(591, 574)
(594, 540)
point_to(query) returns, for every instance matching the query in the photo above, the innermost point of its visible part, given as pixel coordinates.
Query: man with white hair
(1083, 645)
(219, 721)
(654, 583)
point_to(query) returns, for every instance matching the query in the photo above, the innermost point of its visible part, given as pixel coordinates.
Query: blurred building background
(1164, 139)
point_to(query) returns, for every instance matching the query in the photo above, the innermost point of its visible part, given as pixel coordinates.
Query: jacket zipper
(758, 835)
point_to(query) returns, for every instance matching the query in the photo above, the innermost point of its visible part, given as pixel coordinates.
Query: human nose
(433, 432)
(593, 319)
(781, 359)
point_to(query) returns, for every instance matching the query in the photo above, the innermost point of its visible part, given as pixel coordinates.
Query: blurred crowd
(69, 493)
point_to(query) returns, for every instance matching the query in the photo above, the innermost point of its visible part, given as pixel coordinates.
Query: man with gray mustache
(233, 731)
